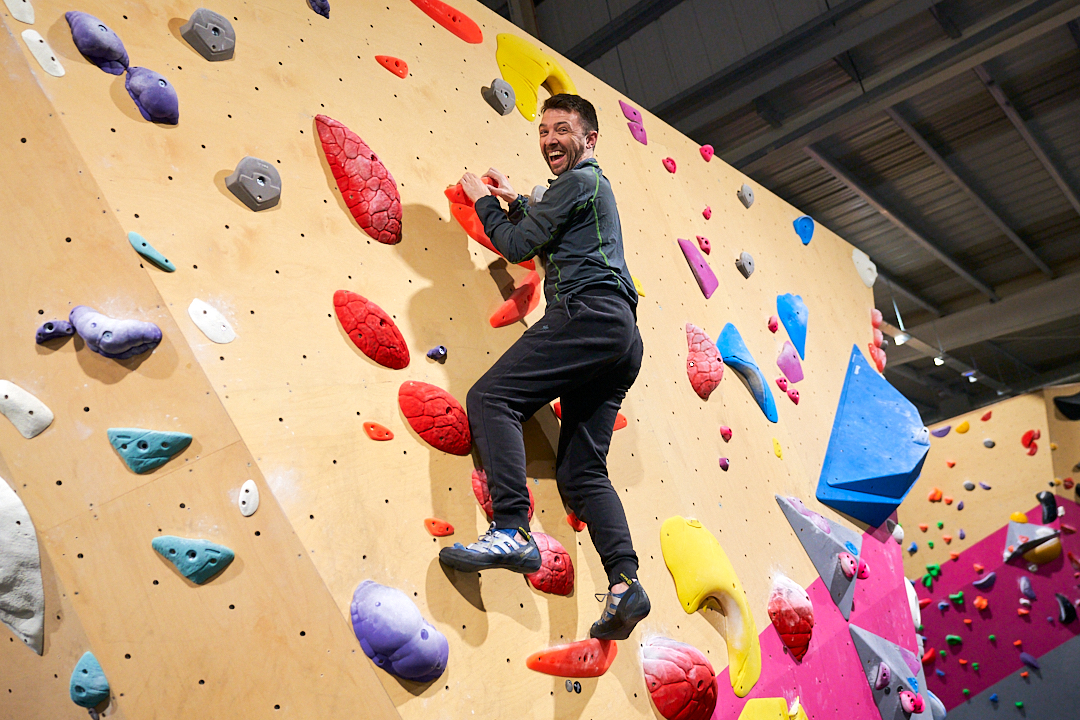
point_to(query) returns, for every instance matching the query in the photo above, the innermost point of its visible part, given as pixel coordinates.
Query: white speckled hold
(29, 415)
(249, 498)
(864, 266)
(211, 322)
(42, 53)
(22, 596)
(21, 10)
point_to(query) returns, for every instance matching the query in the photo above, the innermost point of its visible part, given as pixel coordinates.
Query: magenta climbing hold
(774, 324)
(788, 362)
(724, 464)
(703, 274)
(669, 164)
(707, 152)
(556, 573)
(911, 703)
(630, 112)
(725, 432)
(638, 131)
(781, 382)
(793, 395)
(704, 366)
(704, 243)
(848, 563)
(707, 213)
(680, 679)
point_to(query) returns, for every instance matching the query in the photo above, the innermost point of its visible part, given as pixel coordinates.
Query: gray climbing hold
(149, 252)
(1025, 587)
(210, 34)
(868, 273)
(745, 264)
(22, 595)
(824, 541)
(210, 320)
(746, 195)
(29, 415)
(987, 582)
(499, 96)
(569, 686)
(89, 687)
(197, 560)
(988, 443)
(907, 677)
(969, 486)
(255, 183)
(147, 450)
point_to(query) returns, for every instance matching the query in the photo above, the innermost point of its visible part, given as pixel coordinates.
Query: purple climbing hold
(118, 339)
(789, 364)
(884, 676)
(394, 634)
(322, 7)
(943, 606)
(987, 582)
(1029, 660)
(97, 42)
(941, 431)
(984, 486)
(153, 95)
(1025, 587)
(638, 131)
(724, 464)
(54, 329)
(438, 353)
(704, 275)
(960, 506)
(962, 534)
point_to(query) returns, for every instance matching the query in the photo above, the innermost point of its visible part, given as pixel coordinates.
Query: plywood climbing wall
(286, 401)
(1064, 433)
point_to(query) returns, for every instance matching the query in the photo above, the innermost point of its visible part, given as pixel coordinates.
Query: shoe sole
(623, 632)
(467, 565)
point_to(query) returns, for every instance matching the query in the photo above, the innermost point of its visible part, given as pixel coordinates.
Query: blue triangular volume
(877, 447)
(89, 687)
(197, 560)
(147, 450)
(792, 311)
(804, 228)
(737, 357)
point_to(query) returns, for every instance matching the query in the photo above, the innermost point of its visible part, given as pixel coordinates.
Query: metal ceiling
(941, 138)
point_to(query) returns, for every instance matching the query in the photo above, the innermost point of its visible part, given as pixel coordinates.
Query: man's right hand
(501, 189)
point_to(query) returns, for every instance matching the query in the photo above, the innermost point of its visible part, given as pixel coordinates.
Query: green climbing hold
(993, 638)
(934, 569)
(957, 598)
(197, 560)
(930, 544)
(919, 628)
(89, 687)
(954, 639)
(147, 450)
(149, 252)
(966, 692)
(1019, 703)
(975, 666)
(943, 653)
(940, 525)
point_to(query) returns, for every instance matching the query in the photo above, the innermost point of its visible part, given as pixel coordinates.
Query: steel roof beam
(911, 295)
(621, 27)
(926, 350)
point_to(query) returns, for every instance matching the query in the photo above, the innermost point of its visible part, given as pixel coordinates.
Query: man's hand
(473, 187)
(501, 188)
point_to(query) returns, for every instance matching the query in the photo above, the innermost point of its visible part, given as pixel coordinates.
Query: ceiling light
(972, 378)
(901, 337)
(939, 361)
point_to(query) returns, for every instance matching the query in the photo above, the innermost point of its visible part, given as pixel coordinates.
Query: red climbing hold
(792, 615)
(435, 416)
(929, 656)
(620, 419)
(704, 243)
(924, 602)
(524, 299)
(986, 416)
(452, 19)
(707, 214)
(365, 183)
(725, 432)
(573, 521)
(394, 65)
(371, 330)
(1029, 437)
(375, 431)
(556, 573)
(876, 318)
(704, 366)
(438, 528)
(581, 659)
(879, 338)
(461, 208)
(707, 152)
(669, 164)
(680, 679)
(774, 323)
(1033, 448)
(951, 463)
(483, 495)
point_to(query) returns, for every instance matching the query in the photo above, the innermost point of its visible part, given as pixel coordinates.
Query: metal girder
(911, 295)
(1020, 24)
(923, 349)
(1046, 303)
(1060, 376)
(1021, 127)
(948, 25)
(929, 245)
(622, 27)
(931, 153)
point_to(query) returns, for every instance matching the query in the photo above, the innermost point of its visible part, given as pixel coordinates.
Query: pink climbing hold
(705, 244)
(725, 432)
(669, 165)
(703, 274)
(724, 464)
(638, 131)
(793, 395)
(436, 417)
(707, 152)
(774, 324)
(792, 614)
(371, 330)
(631, 113)
(556, 573)
(704, 366)
(788, 362)
(680, 679)
(707, 213)
(781, 382)
(875, 317)
(849, 565)
(878, 356)
(879, 338)
(483, 495)
(911, 703)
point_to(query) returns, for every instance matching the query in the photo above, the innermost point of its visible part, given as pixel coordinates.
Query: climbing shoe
(621, 613)
(497, 548)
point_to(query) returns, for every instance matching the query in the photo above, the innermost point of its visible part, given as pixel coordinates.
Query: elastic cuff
(623, 571)
(506, 522)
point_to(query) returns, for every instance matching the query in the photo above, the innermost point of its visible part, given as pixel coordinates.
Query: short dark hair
(575, 104)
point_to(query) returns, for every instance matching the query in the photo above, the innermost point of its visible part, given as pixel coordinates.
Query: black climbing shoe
(620, 617)
(497, 548)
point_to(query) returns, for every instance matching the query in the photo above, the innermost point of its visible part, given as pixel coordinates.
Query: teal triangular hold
(149, 252)
(804, 228)
(147, 450)
(737, 357)
(197, 560)
(792, 311)
(89, 687)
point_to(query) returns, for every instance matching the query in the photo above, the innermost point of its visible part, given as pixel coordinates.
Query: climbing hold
(1029, 437)
(962, 534)
(1023, 538)
(637, 286)
(42, 52)
(524, 299)
(153, 95)
(146, 450)
(436, 417)
(824, 541)
(884, 677)
(395, 65)
(980, 602)
(394, 634)
(437, 353)
(947, 538)
(984, 486)
(864, 267)
(704, 243)
(631, 113)
(53, 329)
(29, 415)
(638, 131)
(898, 533)
(89, 687)
(704, 366)
(375, 431)
(724, 464)
(781, 382)
(669, 164)
(212, 323)
(500, 96)
(680, 679)
(525, 67)
(934, 569)
(483, 496)
(1048, 501)
(249, 498)
(935, 495)
(804, 228)
(556, 573)
(793, 395)
(737, 356)
(581, 659)
(876, 319)
(707, 152)
(793, 313)
(1029, 660)
(948, 501)
(455, 21)
(987, 582)
(941, 431)
(701, 570)
(788, 362)
(954, 640)
(148, 251)
(365, 184)
(256, 183)
(1025, 602)
(1068, 405)
(774, 324)
(745, 195)
(745, 264)
(994, 698)
(118, 339)
(1025, 587)
(21, 10)
(968, 485)
(707, 214)
(22, 594)
(1033, 448)
(963, 427)
(321, 7)
(371, 330)
(620, 419)
(987, 415)
(210, 34)
(703, 274)
(438, 528)
(197, 560)
(97, 42)
(792, 614)
(902, 692)
(777, 451)
(1066, 610)
(913, 547)
(929, 656)
(725, 432)
(573, 521)
(636, 124)
(930, 544)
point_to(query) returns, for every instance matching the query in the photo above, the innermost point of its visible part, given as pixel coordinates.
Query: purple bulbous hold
(153, 95)
(113, 338)
(54, 329)
(394, 634)
(97, 42)
(322, 7)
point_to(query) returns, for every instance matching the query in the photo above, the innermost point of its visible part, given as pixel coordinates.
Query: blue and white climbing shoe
(497, 548)
(621, 613)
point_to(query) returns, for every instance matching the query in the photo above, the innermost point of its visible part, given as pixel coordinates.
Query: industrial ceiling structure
(941, 138)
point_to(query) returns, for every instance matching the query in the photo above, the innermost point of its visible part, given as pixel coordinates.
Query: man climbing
(586, 350)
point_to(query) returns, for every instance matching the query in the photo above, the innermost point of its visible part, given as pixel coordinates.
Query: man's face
(563, 140)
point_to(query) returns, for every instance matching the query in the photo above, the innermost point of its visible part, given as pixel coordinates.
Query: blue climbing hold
(940, 672)
(913, 547)
(987, 582)
(89, 687)
(322, 7)
(147, 450)
(994, 698)
(737, 357)
(149, 252)
(792, 312)
(197, 560)
(804, 228)
(943, 606)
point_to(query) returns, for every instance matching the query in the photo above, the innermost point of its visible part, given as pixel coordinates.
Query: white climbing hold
(913, 604)
(22, 596)
(29, 415)
(211, 322)
(42, 53)
(249, 498)
(864, 266)
(21, 10)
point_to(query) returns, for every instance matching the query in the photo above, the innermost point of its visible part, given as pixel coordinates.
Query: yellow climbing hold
(702, 573)
(637, 286)
(1042, 554)
(527, 67)
(1053, 446)
(777, 449)
(772, 709)
(1018, 517)
(963, 427)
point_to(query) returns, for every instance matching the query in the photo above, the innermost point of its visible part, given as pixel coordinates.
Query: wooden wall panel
(1064, 433)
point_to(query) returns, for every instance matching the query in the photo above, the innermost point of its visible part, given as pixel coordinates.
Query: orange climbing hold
(573, 521)
(581, 659)
(1022, 611)
(1024, 674)
(947, 499)
(962, 661)
(524, 299)
(375, 431)
(438, 528)
(978, 567)
(1018, 643)
(924, 527)
(980, 602)
(951, 463)
(934, 496)
(394, 65)
(954, 556)
(947, 538)
(452, 19)
(620, 419)
(461, 209)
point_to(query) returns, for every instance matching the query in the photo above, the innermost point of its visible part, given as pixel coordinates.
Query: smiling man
(586, 350)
